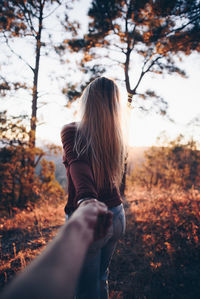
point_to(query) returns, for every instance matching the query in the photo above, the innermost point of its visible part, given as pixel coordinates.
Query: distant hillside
(60, 172)
(135, 156)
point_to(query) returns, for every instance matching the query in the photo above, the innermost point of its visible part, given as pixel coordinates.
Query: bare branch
(126, 70)
(185, 25)
(134, 40)
(26, 10)
(153, 62)
(144, 72)
(16, 54)
(121, 48)
(48, 15)
(4, 80)
(28, 18)
(144, 64)
(38, 159)
(42, 105)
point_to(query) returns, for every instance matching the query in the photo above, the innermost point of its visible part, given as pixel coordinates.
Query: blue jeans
(93, 281)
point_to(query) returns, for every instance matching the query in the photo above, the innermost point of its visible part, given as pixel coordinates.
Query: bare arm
(55, 272)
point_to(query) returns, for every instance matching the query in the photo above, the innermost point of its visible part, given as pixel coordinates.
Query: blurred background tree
(133, 32)
(17, 186)
(26, 21)
(176, 163)
(130, 37)
(126, 34)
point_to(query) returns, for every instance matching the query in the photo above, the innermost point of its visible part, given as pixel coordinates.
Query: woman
(93, 154)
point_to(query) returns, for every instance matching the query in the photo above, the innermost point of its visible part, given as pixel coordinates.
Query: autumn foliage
(177, 163)
(20, 186)
(159, 255)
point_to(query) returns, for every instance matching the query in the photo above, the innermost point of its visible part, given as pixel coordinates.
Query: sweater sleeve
(79, 168)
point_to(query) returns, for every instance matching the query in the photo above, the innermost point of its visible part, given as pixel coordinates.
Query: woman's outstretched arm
(55, 272)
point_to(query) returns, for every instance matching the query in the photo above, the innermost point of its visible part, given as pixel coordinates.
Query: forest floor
(158, 257)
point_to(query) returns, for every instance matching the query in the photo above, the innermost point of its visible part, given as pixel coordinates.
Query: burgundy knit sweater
(80, 178)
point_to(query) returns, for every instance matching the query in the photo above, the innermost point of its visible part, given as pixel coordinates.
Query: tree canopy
(27, 22)
(137, 33)
(20, 186)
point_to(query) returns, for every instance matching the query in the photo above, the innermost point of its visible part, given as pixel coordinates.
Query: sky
(181, 94)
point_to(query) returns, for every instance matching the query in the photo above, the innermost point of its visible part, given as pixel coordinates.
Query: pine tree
(152, 33)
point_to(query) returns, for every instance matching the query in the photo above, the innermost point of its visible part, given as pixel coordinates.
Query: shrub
(174, 164)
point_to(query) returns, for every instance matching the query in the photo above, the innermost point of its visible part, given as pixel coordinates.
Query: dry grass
(25, 235)
(159, 256)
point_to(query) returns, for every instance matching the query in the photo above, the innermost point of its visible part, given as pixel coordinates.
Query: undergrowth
(158, 257)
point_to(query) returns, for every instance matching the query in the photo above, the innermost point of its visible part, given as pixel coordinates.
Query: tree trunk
(35, 81)
(130, 96)
(33, 122)
(123, 183)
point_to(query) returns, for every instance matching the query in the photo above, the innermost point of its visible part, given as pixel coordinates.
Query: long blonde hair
(99, 133)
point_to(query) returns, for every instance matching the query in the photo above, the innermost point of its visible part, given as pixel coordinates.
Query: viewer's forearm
(54, 274)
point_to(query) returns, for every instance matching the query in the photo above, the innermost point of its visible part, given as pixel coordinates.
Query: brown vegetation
(175, 163)
(157, 258)
(160, 254)
(20, 185)
(24, 235)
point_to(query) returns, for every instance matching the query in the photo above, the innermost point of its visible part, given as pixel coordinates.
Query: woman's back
(81, 182)
(99, 133)
(94, 160)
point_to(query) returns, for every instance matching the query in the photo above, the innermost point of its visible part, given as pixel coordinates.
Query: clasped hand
(94, 217)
